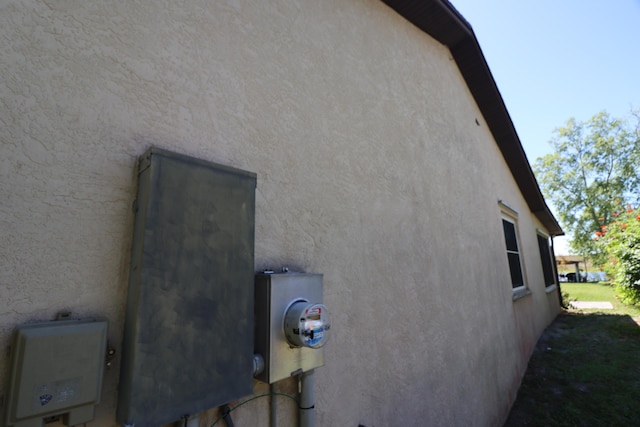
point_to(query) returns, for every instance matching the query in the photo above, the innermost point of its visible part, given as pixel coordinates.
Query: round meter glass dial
(307, 324)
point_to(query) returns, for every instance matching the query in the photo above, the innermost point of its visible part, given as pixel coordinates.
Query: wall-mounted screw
(111, 353)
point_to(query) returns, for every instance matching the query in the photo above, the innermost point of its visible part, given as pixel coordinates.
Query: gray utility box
(274, 294)
(188, 338)
(56, 370)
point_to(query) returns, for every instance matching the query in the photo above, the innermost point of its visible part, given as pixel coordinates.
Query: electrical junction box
(188, 333)
(291, 324)
(56, 370)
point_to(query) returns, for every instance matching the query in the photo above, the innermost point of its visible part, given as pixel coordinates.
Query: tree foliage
(593, 170)
(620, 242)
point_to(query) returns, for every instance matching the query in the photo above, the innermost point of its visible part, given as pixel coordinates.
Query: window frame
(550, 259)
(510, 215)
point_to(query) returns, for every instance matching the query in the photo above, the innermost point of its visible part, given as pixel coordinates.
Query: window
(513, 253)
(512, 246)
(545, 257)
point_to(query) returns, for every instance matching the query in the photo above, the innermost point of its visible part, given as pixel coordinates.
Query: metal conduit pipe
(185, 421)
(273, 417)
(193, 421)
(307, 408)
(226, 415)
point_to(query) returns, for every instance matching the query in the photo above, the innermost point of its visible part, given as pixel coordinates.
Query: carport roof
(569, 259)
(443, 22)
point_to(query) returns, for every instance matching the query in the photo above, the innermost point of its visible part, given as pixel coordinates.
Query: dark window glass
(510, 235)
(511, 240)
(516, 269)
(545, 257)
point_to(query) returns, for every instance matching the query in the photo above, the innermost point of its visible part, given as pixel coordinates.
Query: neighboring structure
(576, 268)
(385, 160)
(571, 264)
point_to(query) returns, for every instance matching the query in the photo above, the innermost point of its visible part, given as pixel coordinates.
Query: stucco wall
(371, 170)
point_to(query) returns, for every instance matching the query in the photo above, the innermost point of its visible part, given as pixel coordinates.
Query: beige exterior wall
(371, 170)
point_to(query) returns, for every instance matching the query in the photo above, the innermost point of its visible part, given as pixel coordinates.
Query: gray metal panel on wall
(56, 368)
(188, 341)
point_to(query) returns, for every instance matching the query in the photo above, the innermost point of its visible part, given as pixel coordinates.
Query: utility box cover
(56, 369)
(188, 341)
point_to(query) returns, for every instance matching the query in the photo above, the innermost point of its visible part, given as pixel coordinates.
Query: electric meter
(306, 324)
(291, 324)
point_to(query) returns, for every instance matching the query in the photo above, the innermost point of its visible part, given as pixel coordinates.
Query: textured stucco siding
(371, 170)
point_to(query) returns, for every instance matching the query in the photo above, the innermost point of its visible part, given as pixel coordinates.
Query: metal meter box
(275, 293)
(188, 335)
(56, 370)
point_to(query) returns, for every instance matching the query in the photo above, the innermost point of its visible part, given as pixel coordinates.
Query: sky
(556, 59)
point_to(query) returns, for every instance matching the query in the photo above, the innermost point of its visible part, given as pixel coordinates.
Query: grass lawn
(589, 291)
(585, 369)
(600, 291)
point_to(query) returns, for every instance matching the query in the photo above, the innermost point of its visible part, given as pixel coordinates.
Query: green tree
(593, 171)
(620, 242)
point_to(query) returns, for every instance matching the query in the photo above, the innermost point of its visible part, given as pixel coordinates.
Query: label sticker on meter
(314, 312)
(314, 326)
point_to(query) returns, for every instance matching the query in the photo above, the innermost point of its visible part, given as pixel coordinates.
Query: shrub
(620, 242)
(566, 299)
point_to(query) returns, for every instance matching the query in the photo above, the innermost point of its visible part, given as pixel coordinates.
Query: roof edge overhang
(443, 22)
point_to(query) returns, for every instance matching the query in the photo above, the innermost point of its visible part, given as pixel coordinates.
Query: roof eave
(443, 22)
